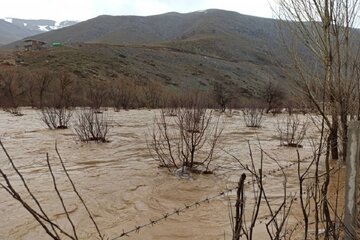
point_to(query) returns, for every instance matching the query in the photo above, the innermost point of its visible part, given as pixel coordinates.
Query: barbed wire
(223, 193)
(293, 195)
(300, 222)
(206, 200)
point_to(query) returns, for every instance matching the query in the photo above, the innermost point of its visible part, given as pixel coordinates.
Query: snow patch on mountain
(43, 28)
(9, 20)
(40, 25)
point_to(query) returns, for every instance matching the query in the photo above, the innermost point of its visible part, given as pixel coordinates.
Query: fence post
(239, 208)
(352, 192)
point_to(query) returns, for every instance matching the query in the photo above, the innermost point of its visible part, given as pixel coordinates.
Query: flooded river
(123, 186)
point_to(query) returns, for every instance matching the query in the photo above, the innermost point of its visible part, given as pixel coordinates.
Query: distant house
(32, 44)
(57, 44)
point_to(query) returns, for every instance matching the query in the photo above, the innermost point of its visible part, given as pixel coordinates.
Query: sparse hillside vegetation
(179, 51)
(149, 73)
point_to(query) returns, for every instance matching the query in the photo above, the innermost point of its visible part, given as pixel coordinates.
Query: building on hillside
(32, 44)
(57, 44)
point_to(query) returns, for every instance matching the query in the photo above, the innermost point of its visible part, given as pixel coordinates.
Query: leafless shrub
(97, 94)
(12, 88)
(34, 206)
(253, 117)
(223, 95)
(296, 105)
(55, 113)
(56, 118)
(30, 86)
(43, 79)
(61, 90)
(187, 140)
(92, 126)
(278, 215)
(273, 95)
(171, 111)
(152, 94)
(14, 111)
(292, 130)
(123, 95)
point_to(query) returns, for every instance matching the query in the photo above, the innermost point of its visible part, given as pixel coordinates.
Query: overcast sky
(86, 9)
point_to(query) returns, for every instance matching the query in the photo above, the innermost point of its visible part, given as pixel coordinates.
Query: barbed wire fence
(177, 211)
(293, 195)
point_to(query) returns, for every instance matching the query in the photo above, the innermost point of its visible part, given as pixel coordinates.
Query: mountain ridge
(224, 30)
(197, 49)
(13, 29)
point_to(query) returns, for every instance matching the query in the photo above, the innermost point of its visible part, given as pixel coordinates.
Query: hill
(217, 32)
(13, 29)
(10, 32)
(40, 25)
(177, 50)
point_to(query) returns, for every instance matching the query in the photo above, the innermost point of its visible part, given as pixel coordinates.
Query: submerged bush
(253, 117)
(92, 126)
(187, 140)
(292, 130)
(56, 118)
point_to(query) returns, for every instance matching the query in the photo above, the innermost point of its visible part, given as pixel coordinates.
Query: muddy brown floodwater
(123, 185)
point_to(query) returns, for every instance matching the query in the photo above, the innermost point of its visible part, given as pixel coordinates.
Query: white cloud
(85, 9)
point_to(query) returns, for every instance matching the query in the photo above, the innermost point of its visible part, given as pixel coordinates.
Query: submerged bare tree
(187, 140)
(55, 118)
(97, 95)
(253, 116)
(152, 94)
(43, 79)
(12, 88)
(223, 95)
(273, 94)
(292, 130)
(56, 114)
(123, 95)
(92, 126)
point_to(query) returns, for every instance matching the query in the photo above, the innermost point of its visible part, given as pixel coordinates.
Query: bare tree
(97, 95)
(292, 130)
(43, 78)
(152, 94)
(12, 86)
(222, 95)
(92, 126)
(62, 90)
(186, 141)
(30, 86)
(253, 116)
(56, 114)
(123, 95)
(56, 118)
(325, 27)
(273, 94)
